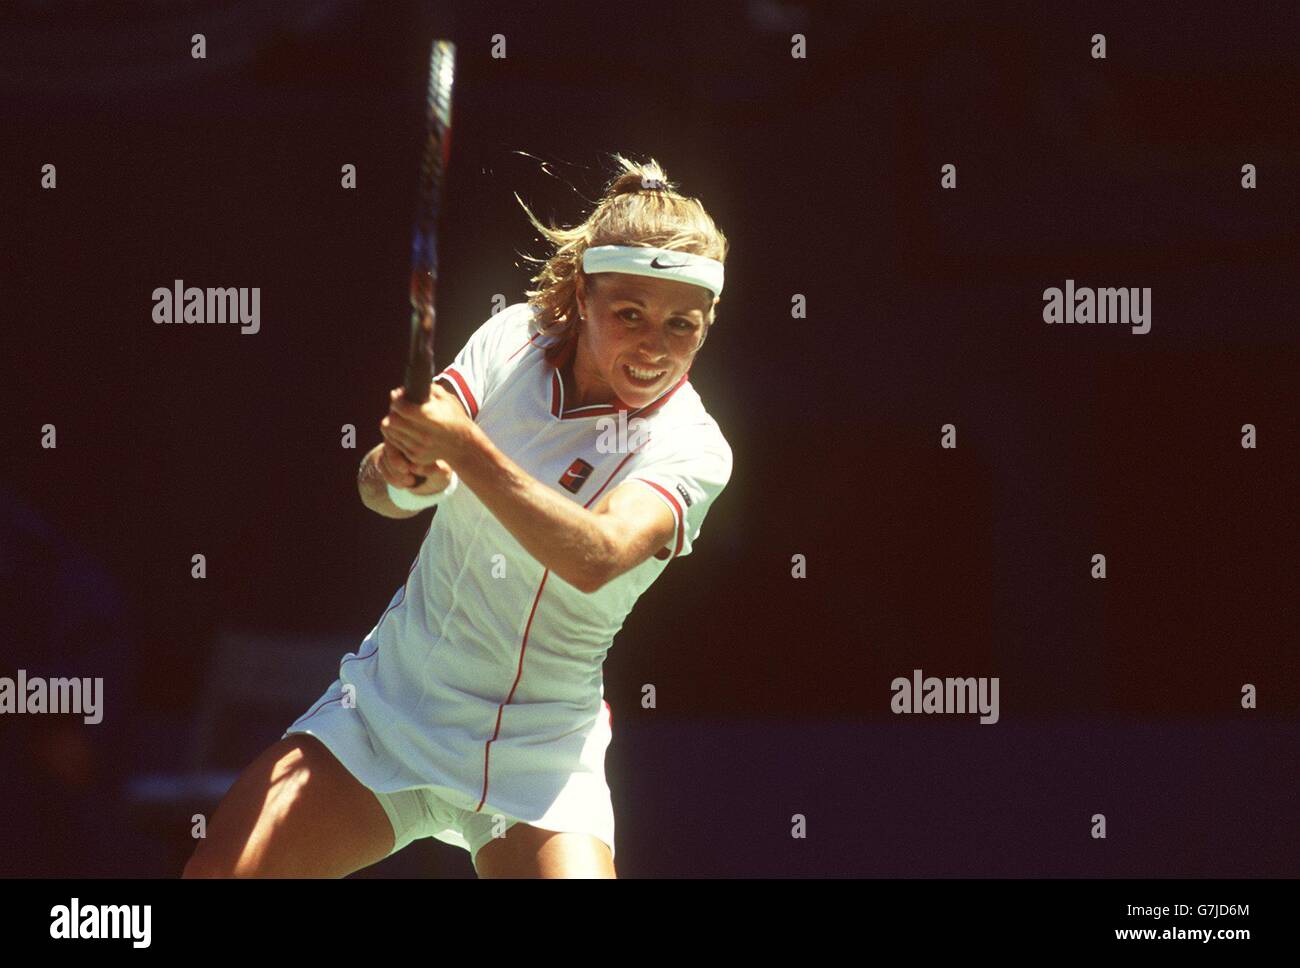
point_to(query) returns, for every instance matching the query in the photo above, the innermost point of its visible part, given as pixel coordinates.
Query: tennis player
(570, 460)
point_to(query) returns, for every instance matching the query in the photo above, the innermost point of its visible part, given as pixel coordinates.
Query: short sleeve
(688, 475)
(485, 357)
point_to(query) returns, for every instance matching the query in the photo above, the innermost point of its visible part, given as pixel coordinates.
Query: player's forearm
(374, 489)
(568, 539)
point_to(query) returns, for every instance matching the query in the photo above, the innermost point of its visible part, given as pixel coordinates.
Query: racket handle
(416, 390)
(419, 478)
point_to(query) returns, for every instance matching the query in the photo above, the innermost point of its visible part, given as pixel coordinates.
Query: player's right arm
(385, 465)
(373, 486)
(470, 378)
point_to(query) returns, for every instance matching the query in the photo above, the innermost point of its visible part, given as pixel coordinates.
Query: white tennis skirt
(442, 812)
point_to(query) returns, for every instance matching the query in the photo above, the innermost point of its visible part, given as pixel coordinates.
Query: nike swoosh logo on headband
(654, 264)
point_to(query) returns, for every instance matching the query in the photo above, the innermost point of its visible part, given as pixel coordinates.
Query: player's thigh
(527, 851)
(295, 811)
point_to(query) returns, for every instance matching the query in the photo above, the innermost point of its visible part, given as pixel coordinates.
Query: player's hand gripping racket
(434, 156)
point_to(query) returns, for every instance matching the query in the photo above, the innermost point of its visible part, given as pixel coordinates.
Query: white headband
(642, 260)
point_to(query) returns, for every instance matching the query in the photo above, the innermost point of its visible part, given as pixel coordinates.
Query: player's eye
(679, 324)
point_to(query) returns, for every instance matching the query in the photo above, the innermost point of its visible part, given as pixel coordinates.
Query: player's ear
(707, 326)
(580, 293)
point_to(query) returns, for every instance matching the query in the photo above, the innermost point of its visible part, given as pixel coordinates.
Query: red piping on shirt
(523, 646)
(524, 347)
(487, 750)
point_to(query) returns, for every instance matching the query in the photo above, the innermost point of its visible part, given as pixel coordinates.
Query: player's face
(640, 335)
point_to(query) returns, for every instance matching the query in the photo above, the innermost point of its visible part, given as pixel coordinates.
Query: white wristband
(407, 501)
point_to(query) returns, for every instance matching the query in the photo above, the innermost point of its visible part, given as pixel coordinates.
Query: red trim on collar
(608, 409)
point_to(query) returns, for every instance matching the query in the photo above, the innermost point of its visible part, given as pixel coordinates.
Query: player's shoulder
(508, 338)
(686, 412)
(512, 324)
(686, 430)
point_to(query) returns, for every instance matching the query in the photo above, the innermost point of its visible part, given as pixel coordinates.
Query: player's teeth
(645, 374)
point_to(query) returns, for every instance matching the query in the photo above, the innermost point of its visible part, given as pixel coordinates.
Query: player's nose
(652, 350)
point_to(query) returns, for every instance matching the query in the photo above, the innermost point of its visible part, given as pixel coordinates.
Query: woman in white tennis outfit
(570, 460)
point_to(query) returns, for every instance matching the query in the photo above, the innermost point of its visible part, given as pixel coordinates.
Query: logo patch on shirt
(685, 494)
(576, 476)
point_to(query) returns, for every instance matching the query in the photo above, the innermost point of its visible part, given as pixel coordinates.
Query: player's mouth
(644, 378)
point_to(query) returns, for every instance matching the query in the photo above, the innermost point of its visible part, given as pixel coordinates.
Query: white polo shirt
(483, 677)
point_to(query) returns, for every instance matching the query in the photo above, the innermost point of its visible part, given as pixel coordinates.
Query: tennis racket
(435, 153)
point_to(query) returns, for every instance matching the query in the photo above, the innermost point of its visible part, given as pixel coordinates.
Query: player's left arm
(641, 521)
(585, 547)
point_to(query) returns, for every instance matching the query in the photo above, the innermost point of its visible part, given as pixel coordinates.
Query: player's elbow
(597, 571)
(609, 562)
(591, 580)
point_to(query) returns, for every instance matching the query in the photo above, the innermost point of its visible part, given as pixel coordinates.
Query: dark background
(924, 307)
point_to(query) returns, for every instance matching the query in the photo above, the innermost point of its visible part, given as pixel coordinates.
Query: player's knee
(251, 819)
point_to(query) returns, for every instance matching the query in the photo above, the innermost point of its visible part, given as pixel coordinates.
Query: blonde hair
(640, 207)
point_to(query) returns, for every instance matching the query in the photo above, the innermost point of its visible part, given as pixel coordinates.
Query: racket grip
(419, 478)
